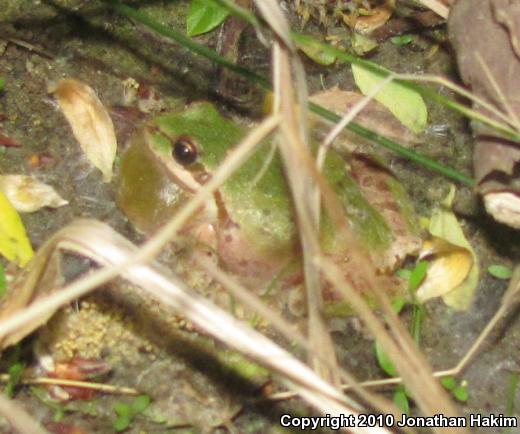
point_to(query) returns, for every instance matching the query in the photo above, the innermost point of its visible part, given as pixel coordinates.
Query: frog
(249, 222)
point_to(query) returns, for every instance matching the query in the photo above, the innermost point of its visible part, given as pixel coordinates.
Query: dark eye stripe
(185, 151)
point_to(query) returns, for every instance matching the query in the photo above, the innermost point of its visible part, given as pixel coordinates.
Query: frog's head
(169, 160)
(192, 143)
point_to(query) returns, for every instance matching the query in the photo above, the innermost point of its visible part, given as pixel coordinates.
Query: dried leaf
(377, 17)
(8, 142)
(77, 369)
(27, 194)
(449, 267)
(374, 116)
(485, 34)
(453, 272)
(14, 244)
(90, 123)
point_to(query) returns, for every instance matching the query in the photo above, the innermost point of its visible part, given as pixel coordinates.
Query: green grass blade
(264, 83)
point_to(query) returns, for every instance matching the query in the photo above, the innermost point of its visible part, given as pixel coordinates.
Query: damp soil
(193, 385)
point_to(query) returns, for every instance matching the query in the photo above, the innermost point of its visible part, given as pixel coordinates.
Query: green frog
(249, 223)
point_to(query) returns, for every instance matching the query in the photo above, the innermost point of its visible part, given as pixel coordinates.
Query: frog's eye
(185, 151)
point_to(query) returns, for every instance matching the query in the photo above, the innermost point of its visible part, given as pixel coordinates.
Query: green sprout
(15, 374)
(458, 390)
(126, 412)
(500, 271)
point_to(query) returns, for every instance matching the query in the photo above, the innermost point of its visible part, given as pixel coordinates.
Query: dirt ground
(191, 390)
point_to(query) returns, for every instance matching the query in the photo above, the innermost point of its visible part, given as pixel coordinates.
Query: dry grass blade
(418, 378)
(501, 97)
(225, 170)
(254, 302)
(510, 300)
(101, 244)
(295, 141)
(19, 419)
(16, 327)
(100, 387)
(473, 114)
(274, 17)
(249, 299)
(346, 119)
(307, 211)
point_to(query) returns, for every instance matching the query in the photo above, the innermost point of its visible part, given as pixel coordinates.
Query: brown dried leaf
(76, 369)
(27, 194)
(374, 116)
(388, 197)
(378, 16)
(485, 37)
(90, 123)
(8, 142)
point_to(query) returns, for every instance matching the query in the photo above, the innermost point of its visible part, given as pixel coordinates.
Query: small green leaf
(121, 423)
(404, 273)
(3, 282)
(448, 383)
(398, 304)
(313, 49)
(401, 400)
(406, 104)
(122, 409)
(59, 414)
(140, 404)
(401, 40)
(417, 275)
(15, 374)
(461, 393)
(2, 83)
(500, 271)
(203, 16)
(241, 365)
(384, 361)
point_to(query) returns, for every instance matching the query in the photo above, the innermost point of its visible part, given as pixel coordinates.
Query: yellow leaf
(14, 244)
(453, 271)
(448, 268)
(406, 104)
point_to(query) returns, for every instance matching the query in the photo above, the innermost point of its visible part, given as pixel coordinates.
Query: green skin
(254, 229)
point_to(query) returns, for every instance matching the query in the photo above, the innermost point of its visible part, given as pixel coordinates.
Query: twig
(105, 388)
(30, 47)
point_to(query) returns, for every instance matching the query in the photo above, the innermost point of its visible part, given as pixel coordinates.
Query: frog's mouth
(190, 180)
